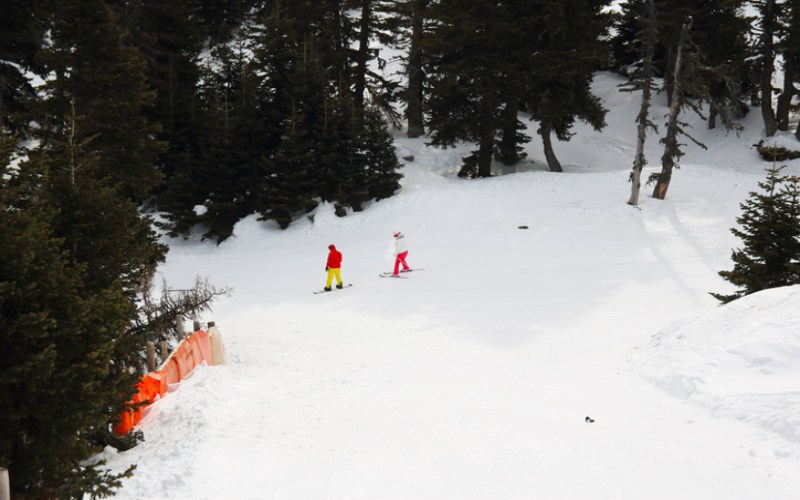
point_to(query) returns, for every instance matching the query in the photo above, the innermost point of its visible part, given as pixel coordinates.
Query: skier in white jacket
(400, 252)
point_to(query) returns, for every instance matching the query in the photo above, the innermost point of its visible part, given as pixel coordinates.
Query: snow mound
(742, 360)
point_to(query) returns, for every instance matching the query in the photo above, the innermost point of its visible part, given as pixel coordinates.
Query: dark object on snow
(522, 227)
(776, 153)
(408, 157)
(589, 420)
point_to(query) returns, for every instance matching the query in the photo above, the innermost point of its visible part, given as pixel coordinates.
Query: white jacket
(399, 245)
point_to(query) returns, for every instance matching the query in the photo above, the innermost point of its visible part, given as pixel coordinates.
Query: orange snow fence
(197, 348)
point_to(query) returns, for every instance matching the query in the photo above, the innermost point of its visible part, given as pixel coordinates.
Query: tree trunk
(545, 130)
(363, 57)
(339, 51)
(785, 99)
(793, 54)
(416, 122)
(643, 119)
(671, 150)
(2, 108)
(508, 144)
(768, 58)
(486, 150)
(712, 117)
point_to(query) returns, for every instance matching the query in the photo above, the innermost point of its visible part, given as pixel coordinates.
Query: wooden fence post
(217, 347)
(180, 327)
(5, 484)
(164, 351)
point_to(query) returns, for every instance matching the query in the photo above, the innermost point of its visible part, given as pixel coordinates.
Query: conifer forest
(207, 112)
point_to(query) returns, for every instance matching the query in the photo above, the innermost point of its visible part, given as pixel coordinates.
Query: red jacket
(334, 258)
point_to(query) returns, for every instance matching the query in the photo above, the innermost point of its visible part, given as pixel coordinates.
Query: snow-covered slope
(473, 378)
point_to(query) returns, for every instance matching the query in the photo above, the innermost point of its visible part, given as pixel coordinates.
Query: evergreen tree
(726, 77)
(769, 228)
(167, 36)
(486, 56)
(228, 175)
(218, 20)
(290, 75)
(97, 150)
(76, 259)
(381, 157)
(510, 150)
(469, 51)
(290, 189)
(719, 31)
(566, 49)
(21, 36)
(104, 79)
(371, 170)
(109, 241)
(58, 336)
(377, 21)
(343, 171)
(415, 90)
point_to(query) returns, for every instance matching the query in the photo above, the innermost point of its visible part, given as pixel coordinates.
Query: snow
(472, 379)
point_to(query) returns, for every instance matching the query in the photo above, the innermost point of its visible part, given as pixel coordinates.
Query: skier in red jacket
(333, 266)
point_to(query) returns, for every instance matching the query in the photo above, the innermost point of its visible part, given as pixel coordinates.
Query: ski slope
(473, 378)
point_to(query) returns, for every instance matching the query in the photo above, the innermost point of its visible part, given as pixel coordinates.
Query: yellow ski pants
(333, 271)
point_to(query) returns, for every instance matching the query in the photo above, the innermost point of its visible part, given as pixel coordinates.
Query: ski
(390, 275)
(414, 269)
(333, 289)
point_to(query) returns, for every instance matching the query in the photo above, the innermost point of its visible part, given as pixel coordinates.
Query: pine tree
(377, 20)
(57, 335)
(290, 188)
(416, 78)
(167, 36)
(96, 156)
(469, 50)
(343, 169)
(219, 19)
(104, 79)
(99, 225)
(487, 56)
(228, 174)
(719, 30)
(287, 88)
(381, 157)
(769, 228)
(21, 37)
(372, 168)
(565, 49)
